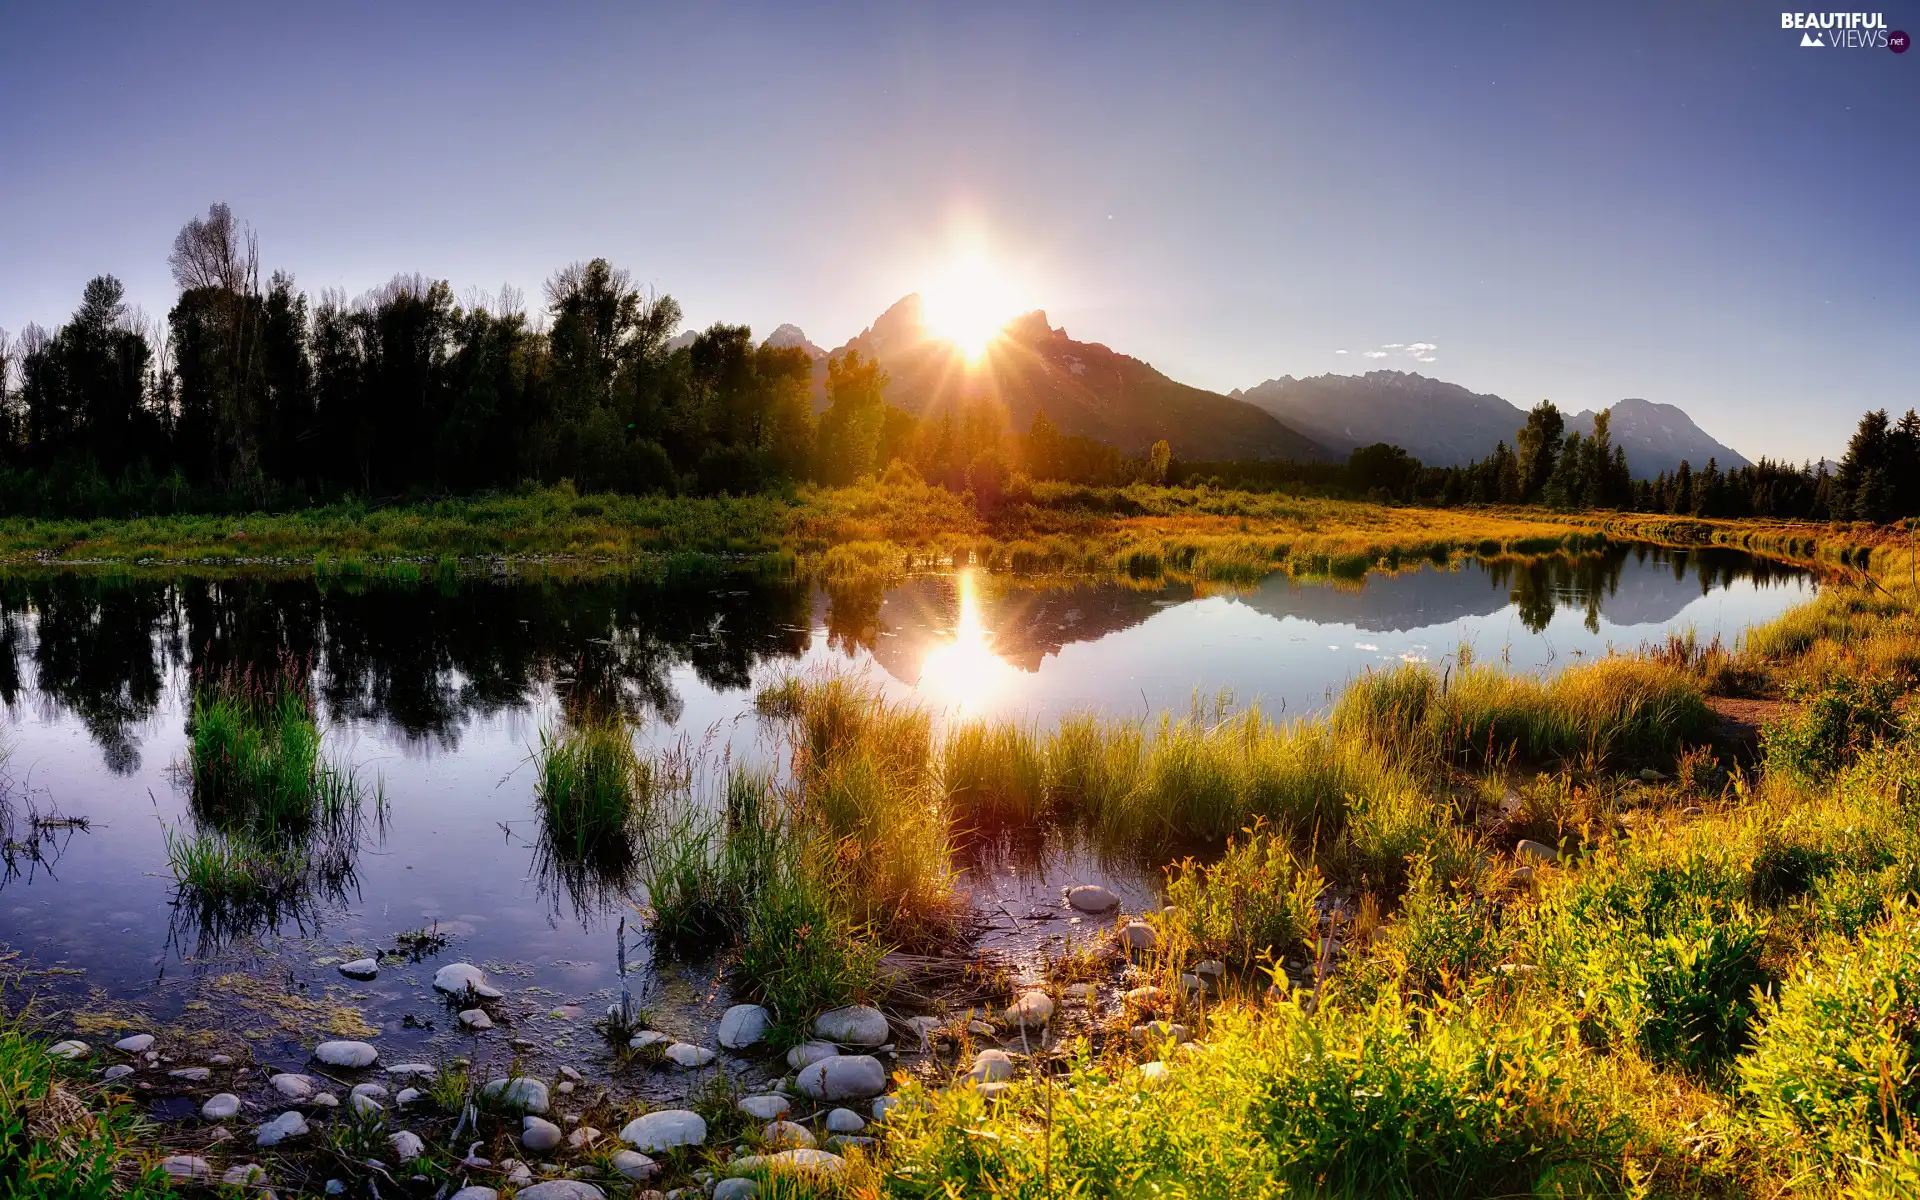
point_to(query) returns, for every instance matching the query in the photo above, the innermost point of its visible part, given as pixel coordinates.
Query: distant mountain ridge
(1086, 389)
(1444, 424)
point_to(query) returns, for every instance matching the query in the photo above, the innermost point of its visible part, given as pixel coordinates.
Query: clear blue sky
(1581, 202)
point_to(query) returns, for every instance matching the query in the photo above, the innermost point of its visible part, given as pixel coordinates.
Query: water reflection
(962, 672)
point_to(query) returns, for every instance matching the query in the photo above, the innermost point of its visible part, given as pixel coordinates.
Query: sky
(1575, 202)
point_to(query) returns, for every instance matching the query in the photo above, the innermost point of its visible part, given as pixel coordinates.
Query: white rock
(464, 979)
(407, 1146)
(663, 1130)
(1031, 1010)
(844, 1077)
(338, 1187)
(187, 1168)
(572, 1074)
(475, 1192)
(117, 1071)
(992, 1091)
(1138, 935)
(377, 1091)
(561, 1189)
(634, 1165)
(786, 1135)
(854, 1025)
(883, 1106)
(744, 1025)
(518, 1174)
(407, 1096)
(538, 1135)
(583, 1137)
(1528, 848)
(819, 1161)
(1092, 898)
(475, 1018)
(766, 1108)
(1145, 997)
(808, 1053)
(736, 1189)
(220, 1108)
(325, 1100)
(288, 1124)
(1151, 1074)
(139, 1043)
(645, 1038)
(192, 1074)
(293, 1087)
(844, 1120)
(413, 1071)
(360, 968)
(1211, 969)
(68, 1049)
(245, 1175)
(346, 1054)
(521, 1093)
(687, 1056)
(365, 1106)
(1158, 1031)
(991, 1066)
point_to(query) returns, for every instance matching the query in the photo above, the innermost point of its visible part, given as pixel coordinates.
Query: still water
(441, 693)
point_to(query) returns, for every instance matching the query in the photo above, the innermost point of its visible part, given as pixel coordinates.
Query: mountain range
(1091, 390)
(1443, 424)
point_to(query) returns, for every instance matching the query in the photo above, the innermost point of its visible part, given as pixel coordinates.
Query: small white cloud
(1419, 348)
(1339, 351)
(1393, 345)
(1426, 358)
(1375, 354)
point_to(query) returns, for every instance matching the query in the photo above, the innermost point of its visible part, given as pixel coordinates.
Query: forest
(250, 394)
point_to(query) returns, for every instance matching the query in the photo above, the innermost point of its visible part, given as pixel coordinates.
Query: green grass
(594, 790)
(1253, 905)
(63, 1136)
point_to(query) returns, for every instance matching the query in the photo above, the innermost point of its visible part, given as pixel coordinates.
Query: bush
(1830, 725)
(1443, 939)
(1254, 904)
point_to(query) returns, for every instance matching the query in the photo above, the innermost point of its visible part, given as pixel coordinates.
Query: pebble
(645, 1038)
(808, 1053)
(819, 1161)
(187, 1168)
(192, 1074)
(407, 1146)
(413, 1071)
(539, 1136)
(287, 1125)
(766, 1108)
(407, 1096)
(1152, 1074)
(360, 968)
(364, 1106)
(1092, 898)
(1031, 1010)
(744, 1025)
(1522, 875)
(117, 1071)
(1080, 991)
(374, 1091)
(991, 1066)
(572, 1074)
(474, 1018)
(221, 1060)
(338, 1187)
(564, 1087)
(1138, 935)
(850, 1141)
(663, 1130)
(69, 1049)
(139, 1043)
(1211, 969)
(583, 1137)
(520, 1093)
(634, 1165)
(688, 1056)
(784, 1135)
(293, 1087)
(473, 1192)
(325, 1100)
(736, 1189)
(1145, 997)
(844, 1120)
(854, 1025)
(979, 1029)
(844, 1077)
(926, 1027)
(1527, 848)
(245, 1175)
(220, 1108)
(883, 1106)
(518, 1175)
(1158, 1031)
(346, 1054)
(561, 1189)
(461, 979)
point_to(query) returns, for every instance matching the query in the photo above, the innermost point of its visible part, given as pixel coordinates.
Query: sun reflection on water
(964, 675)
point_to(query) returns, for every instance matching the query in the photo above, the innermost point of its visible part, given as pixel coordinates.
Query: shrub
(1254, 904)
(1443, 938)
(1830, 725)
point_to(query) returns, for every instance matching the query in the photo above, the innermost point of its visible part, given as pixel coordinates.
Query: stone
(583, 1137)
(517, 1172)
(223, 1107)
(475, 1192)
(663, 1130)
(1527, 848)
(220, 1134)
(743, 1025)
(991, 1066)
(818, 1161)
(844, 1077)
(645, 1038)
(1151, 1074)
(245, 1175)
(365, 1106)
(476, 1018)
(561, 1189)
(1138, 935)
(842, 1142)
(570, 1073)
(345, 1054)
(293, 1087)
(808, 1053)
(117, 1071)
(338, 1187)
(413, 1071)
(289, 1124)
(192, 1074)
(325, 1100)
(187, 1168)
(1145, 997)
(1031, 1010)
(979, 1029)
(139, 1043)
(1522, 875)
(844, 1120)
(376, 1091)
(564, 1087)
(1211, 970)
(854, 1025)
(766, 1108)
(687, 1056)
(634, 1165)
(407, 1146)
(539, 1135)
(1092, 898)
(69, 1049)
(1081, 991)
(1157, 1031)
(927, 1028)
(407, 1096)
(465, 979)
(361, 968)
(784, 1135)
(520, 1093)
(736, 1189)
(883, 1106)
(220, 1060)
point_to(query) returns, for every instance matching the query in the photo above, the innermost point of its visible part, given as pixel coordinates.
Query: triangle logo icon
(1810, 39)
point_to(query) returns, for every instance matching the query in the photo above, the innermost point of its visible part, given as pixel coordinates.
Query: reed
(594, 790)
(994, 773)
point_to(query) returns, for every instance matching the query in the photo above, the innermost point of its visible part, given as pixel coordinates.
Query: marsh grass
(61, 1135)
(595, 791)
(994, 772)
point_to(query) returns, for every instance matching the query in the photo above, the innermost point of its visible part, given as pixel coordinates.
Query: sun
(969, 304)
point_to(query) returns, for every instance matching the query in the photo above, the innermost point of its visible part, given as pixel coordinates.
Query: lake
(440, 692)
